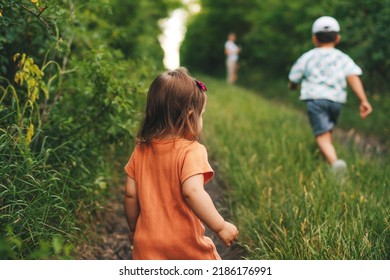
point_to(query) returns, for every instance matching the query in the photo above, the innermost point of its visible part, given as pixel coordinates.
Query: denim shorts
(323, 114)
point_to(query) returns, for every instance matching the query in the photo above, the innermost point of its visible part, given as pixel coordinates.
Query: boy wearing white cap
(323, 73)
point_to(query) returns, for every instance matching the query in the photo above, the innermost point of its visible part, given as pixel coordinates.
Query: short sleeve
(130, 166)
(195, 162)
(297, 71)
(351, 68)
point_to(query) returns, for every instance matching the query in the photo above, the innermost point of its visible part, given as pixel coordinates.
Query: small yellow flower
(34, 1)
(30, 133)
(1, 13)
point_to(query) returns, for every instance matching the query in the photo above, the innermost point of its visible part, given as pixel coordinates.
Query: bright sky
(171, 38)
(173, 34)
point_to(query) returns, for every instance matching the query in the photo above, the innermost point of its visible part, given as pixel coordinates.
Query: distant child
(165, 201)
(231, 53)
(323, 73)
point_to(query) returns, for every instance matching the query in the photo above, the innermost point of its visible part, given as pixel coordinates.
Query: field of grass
(376, 125)
(284, 199)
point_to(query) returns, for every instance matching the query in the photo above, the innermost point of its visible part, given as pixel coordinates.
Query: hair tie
(200, 85)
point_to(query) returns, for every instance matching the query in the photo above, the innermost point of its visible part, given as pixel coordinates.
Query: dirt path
(110, 242)
(216, 191)
(370, 146)
(108, 237)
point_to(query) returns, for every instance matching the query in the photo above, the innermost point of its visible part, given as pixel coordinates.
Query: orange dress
(167, 228)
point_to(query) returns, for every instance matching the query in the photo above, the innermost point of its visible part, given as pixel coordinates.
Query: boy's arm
(200, 202)
(131, 206)
(297, 72)
(357, 86)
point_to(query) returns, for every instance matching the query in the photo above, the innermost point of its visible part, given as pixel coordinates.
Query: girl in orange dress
(165, 201)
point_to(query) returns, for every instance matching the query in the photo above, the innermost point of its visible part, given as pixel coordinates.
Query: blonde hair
(173, 107)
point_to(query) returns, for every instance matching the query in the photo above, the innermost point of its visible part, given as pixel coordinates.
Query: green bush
(71, 96)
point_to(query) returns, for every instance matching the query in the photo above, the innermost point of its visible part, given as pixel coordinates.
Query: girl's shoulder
(172, 145)
(187, 145)
(194, 149)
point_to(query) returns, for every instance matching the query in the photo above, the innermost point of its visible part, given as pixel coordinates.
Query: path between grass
(110, 233)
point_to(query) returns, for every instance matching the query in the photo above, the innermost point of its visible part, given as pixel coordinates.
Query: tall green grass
(36, 201)
(285, 201)
(59, 155)
(376, 125)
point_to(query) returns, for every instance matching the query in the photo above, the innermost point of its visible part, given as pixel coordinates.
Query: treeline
(273, 33)
(71, 73)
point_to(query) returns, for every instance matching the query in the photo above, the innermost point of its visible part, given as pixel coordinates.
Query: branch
(41, 10)
(38, 16)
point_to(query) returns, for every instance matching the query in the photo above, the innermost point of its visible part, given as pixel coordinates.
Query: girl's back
(167, 228)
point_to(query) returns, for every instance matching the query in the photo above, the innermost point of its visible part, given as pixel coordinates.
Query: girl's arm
(357, 86)
(131, 206)
(200, 202)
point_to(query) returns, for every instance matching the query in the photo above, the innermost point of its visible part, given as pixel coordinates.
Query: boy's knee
(324, 138)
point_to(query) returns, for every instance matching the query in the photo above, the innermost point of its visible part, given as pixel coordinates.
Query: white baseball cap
(325, 24)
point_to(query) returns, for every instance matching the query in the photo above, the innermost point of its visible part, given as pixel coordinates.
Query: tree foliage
(207, 31)
(72, 77)
(273, 33)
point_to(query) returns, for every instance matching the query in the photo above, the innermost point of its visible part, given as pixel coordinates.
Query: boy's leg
(323, 115)
(325, 144)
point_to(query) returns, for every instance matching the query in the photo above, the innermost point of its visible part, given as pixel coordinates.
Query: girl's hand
(228, 234)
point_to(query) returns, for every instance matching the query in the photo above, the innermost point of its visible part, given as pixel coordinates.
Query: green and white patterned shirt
(322, 73)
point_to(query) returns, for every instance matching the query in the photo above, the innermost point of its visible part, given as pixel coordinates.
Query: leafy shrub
(70, 101)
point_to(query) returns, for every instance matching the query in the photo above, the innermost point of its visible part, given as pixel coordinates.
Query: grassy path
(284, 199)
(272, 182)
